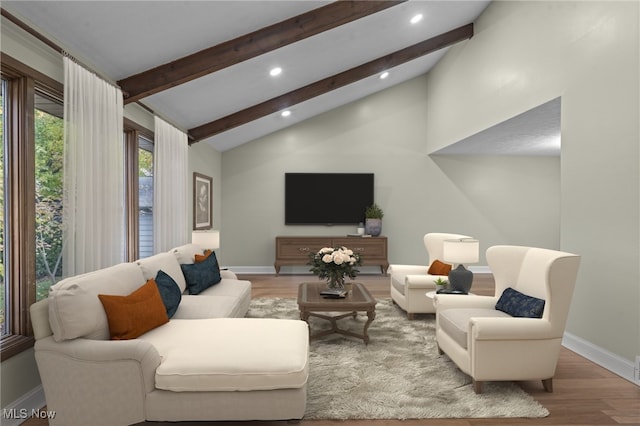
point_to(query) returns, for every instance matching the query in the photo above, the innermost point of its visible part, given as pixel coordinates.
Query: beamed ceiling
(205, 65)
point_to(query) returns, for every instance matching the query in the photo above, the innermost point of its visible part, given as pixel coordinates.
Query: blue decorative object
(518, 304)
(200, 276)
(169, 292)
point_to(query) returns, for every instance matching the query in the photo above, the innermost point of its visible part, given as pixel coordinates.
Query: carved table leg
(371, 315)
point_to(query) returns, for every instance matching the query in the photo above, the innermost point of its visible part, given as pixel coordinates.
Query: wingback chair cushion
(455, 322)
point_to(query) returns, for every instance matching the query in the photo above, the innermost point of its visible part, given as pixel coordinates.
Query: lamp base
(460, 279)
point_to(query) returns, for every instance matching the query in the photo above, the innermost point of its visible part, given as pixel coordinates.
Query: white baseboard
(262, 270)
(28, 405)
(287, 270)
(252, 270)
(612, 362)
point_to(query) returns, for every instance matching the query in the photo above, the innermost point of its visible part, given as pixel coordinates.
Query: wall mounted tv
(326, 198)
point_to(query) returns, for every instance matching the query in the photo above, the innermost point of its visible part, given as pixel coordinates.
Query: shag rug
(398, 375)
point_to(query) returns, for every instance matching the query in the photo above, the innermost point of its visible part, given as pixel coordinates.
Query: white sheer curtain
(93, 206)
(170, 169)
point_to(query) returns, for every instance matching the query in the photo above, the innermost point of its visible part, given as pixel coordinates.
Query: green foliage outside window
(49, 162)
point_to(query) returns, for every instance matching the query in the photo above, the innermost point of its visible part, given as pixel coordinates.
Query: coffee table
(310, 303)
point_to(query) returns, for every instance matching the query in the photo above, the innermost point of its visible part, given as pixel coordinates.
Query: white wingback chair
(491, 345)
(410, 283)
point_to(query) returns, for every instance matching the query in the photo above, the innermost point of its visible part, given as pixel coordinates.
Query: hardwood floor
(584, 393)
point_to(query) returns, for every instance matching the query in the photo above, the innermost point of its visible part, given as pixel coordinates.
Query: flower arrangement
(334, 264)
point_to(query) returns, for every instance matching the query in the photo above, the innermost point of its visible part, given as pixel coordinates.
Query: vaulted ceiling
(206, 66)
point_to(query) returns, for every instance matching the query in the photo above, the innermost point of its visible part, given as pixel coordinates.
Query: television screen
(327, 198)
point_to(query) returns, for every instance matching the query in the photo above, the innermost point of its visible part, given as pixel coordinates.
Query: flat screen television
(327, 198)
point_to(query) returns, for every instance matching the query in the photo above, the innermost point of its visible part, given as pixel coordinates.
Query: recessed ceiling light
(275, 71)
(384, 75)
(285, 113)
(417, 18)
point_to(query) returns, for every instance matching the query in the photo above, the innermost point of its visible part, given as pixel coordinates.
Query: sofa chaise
(206, 363)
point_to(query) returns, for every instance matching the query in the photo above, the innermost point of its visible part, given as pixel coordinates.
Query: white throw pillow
(74, 307)
(168, 263)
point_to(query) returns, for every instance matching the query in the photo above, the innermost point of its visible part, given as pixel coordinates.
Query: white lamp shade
(465, 250)
(206, 239)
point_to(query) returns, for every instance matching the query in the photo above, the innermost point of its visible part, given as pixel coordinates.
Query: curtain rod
(22, 25)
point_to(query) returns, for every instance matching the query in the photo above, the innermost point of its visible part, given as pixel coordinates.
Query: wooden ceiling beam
(247, 46)
(330, 83)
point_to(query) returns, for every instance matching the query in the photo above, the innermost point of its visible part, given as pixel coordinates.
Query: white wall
(488, 197)
(523, 54)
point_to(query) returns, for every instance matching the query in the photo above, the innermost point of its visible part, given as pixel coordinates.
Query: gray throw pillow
(169, 292)
(200, 276)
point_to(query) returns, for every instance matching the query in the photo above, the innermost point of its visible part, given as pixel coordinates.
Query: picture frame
(202, 201)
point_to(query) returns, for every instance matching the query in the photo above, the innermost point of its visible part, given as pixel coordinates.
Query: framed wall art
(202, 201)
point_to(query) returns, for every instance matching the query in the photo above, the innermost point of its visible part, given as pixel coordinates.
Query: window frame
(24, 81)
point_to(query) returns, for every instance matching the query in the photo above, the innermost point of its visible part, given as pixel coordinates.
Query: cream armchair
(492, 345)
(410, 283)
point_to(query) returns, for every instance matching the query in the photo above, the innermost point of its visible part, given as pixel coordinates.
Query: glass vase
(336, 282)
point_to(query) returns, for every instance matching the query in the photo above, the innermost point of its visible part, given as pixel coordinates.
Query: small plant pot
(373, 227)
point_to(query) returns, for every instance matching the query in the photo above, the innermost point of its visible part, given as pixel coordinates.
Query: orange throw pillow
(202, 257)
(439, 268)
(133, 315)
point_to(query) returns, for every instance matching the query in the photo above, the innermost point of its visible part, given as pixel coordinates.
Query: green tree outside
(49, 161)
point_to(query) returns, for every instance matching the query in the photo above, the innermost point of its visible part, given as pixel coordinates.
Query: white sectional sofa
(206, 363)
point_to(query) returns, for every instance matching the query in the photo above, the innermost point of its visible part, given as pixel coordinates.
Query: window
(3, 277)
(145, 197)
(139, 190)
(31, 185)
(30, 196)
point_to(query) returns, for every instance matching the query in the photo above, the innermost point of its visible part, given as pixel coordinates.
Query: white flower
(338, 258)
(348, 252)
(325, 250)
(327, 258)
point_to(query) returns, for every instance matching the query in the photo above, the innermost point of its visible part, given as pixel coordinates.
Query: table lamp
(206, 239)
(464, 250)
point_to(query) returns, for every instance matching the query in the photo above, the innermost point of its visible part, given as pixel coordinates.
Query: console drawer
(296, 248)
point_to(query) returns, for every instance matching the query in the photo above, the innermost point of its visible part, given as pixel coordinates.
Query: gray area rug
(399, 375)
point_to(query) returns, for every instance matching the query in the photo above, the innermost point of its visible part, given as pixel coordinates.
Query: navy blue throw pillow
(200, 276)
(518, 304)
(169, 292)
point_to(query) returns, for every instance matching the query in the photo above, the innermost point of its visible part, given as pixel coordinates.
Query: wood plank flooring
(585, 394)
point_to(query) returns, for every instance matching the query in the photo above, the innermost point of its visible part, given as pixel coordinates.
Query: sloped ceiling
(535, 132)
(122, 39)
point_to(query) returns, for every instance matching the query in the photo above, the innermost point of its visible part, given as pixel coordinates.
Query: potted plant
(440, 283)
(373, 223)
